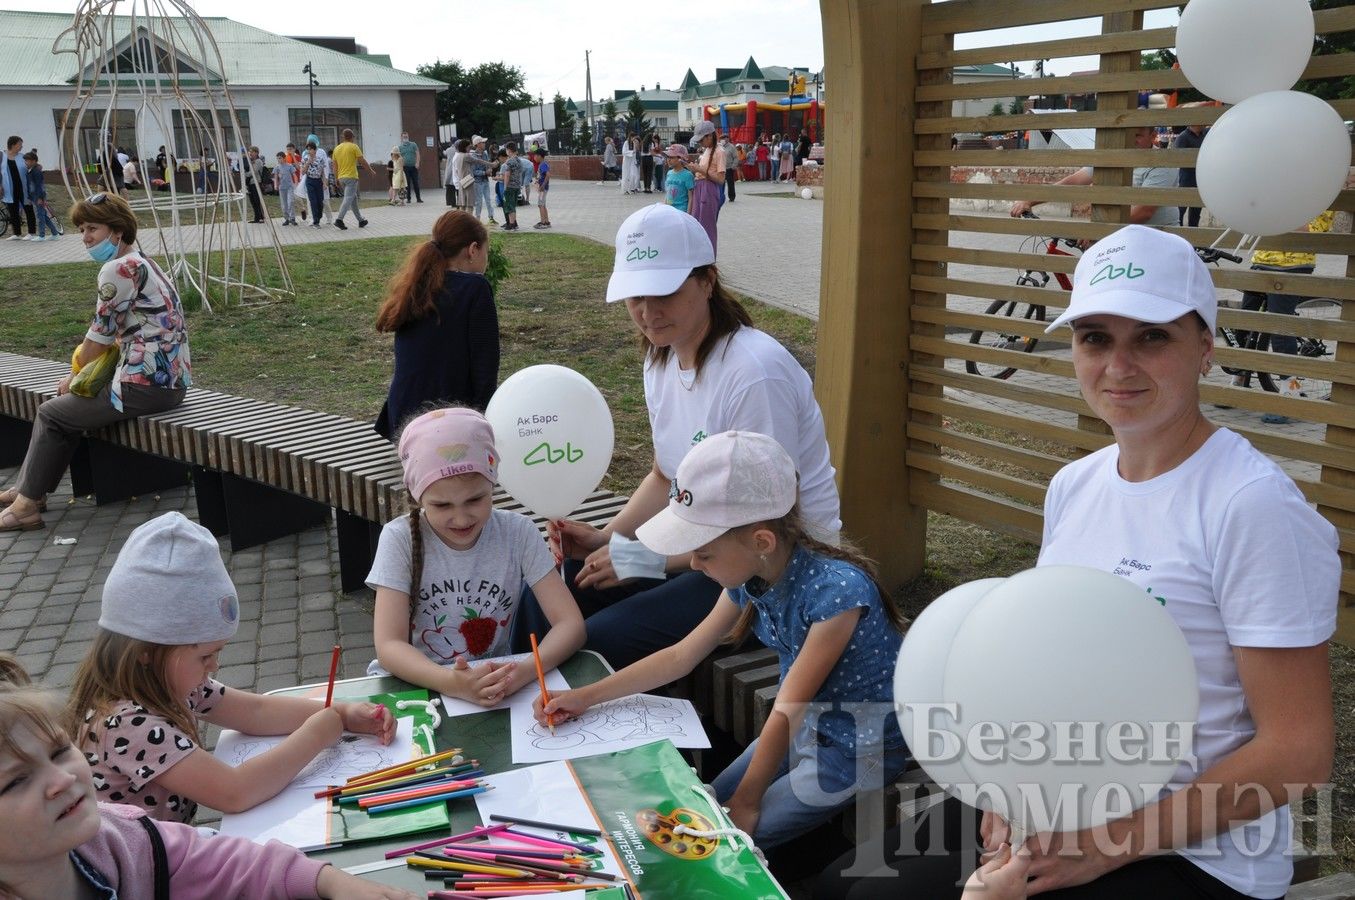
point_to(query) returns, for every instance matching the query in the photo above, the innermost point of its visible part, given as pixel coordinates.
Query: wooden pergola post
(870, 52)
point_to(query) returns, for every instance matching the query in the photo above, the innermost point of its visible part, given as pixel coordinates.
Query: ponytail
(415, 564)
(791, 530)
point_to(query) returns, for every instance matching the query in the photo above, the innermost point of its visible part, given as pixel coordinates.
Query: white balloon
(1068, 644)
(1247, 171)
(807, 194)
(554, 434)
(1235, 49)
(917, 683)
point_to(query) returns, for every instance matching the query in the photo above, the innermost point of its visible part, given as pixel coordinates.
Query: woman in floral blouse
(139, 313)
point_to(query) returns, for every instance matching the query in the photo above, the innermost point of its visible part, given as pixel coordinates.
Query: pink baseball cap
(730, 479)
(447, 442)
(676, 151)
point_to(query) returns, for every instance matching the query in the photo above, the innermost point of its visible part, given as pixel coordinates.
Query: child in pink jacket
(62, 843)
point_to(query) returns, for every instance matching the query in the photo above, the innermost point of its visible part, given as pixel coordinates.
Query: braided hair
(415, 563)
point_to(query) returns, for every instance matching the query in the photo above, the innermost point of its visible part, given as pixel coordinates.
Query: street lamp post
(312, 83)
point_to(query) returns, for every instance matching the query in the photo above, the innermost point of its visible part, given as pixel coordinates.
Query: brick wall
(576, 168)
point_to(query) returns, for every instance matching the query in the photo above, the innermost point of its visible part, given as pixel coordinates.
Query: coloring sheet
(615, 725)
(454, 706)
(353, 754)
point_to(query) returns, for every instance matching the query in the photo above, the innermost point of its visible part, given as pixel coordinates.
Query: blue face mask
(104, 250)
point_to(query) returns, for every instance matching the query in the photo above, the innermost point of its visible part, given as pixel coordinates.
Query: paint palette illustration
(660, 830)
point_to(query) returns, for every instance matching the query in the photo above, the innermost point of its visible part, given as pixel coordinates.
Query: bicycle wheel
(1002, 340)
(1306, 344)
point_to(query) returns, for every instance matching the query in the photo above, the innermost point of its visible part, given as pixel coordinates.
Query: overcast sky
(546, 40)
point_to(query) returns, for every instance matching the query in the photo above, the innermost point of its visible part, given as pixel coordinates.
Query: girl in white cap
(62, 841)
(168, 609)
(706, 370)
(832, 731)
(450, 577)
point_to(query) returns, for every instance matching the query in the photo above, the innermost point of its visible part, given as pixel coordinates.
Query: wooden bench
(260, 470)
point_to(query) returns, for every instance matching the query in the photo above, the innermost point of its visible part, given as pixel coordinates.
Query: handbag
(465, 182)
(96, 375)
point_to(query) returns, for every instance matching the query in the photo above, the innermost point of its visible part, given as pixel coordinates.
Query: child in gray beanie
(169, 607)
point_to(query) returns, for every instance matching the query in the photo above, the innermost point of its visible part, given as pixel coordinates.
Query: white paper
(294, 817)
(455, 706)
(615, 725)
(546, 793)
(352, 754)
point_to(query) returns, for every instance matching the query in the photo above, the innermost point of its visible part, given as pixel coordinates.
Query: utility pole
(588, 96)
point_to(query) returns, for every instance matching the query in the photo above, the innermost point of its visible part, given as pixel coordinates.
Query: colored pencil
(544, 853)
(421, 790)
(512, 834)
(424, 801)
(333, 671)
(402, 768)
(478, 831)
(423, 862)
(462, 771)
(549, 826)
(541, 680)
(531, 865)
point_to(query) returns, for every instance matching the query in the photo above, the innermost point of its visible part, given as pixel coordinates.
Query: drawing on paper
(351, 755)
(638, 717)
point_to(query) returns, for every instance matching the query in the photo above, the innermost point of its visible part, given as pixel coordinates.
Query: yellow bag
(96, 374)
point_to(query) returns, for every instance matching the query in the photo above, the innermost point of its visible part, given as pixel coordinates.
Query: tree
(609, 118)
(1325, 45)
(478, 100)
(636, 123)
(561, 116)
(583, 138)
(1017, 107)
(997, 110)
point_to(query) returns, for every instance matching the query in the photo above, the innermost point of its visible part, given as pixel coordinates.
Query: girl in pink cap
(450, 577)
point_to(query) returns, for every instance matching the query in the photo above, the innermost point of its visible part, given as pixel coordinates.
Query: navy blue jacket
(452, 357)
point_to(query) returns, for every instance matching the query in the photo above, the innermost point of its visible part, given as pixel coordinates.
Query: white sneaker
(15, 237)
(31, 237)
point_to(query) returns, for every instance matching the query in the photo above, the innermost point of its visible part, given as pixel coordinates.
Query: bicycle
(1018, 309)
(1313, 308)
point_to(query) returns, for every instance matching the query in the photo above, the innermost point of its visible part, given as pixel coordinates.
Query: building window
(661, 121)
(329, 124)
(757, 87)
(143, 58)
(191, 133)
(86, 142)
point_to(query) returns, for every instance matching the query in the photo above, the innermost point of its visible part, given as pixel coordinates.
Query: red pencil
(333, 671)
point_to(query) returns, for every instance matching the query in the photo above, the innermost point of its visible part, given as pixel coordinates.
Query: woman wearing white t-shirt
(1219, 535)
(707, 370)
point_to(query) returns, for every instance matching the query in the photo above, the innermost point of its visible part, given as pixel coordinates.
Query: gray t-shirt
(1158, 177)
(467, 598)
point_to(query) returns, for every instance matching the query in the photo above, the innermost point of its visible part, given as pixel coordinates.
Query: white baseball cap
(1142, 274)
(730, 479)
(656, 249)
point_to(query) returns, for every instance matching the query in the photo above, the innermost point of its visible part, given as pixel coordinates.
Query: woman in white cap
(710, 176)
(706, 370)
(1219, 535)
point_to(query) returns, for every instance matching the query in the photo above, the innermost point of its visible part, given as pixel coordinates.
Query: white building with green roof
(263, 71)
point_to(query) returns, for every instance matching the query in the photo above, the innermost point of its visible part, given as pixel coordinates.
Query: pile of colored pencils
(502, 861)
(435, 778)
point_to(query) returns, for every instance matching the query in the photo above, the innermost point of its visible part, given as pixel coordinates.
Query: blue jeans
(350, 199)
(315, 192)
(660, 174)
(412, 179)
(776, 167)
(45, 222)
(813, 782)
(1282, 304)
(498, 191)
(627, 623)
(481, 188)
